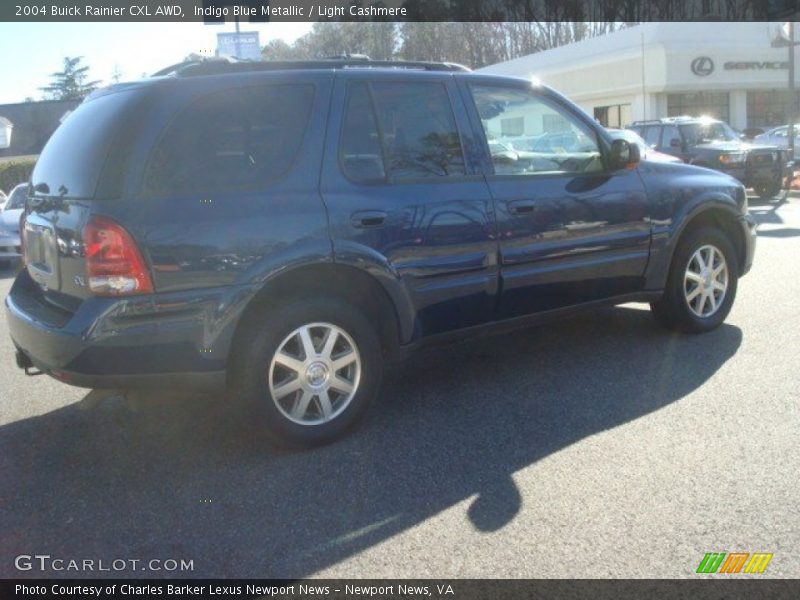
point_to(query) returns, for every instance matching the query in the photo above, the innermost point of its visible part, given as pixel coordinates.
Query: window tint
(72, 161)
(549, 141)
(360, 147)
(652, 135)
(419, 130)
(240, 138)
(670, 133)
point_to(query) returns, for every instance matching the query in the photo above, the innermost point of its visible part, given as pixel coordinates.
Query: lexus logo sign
(702, 66)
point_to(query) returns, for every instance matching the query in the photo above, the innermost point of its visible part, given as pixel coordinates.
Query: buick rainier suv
(284, 230)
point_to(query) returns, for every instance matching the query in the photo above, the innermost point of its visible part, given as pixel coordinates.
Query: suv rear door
(570, 231)
(404, 197)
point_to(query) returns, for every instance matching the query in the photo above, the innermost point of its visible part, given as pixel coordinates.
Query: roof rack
(647, 122)
(214, 66)
(662, 121)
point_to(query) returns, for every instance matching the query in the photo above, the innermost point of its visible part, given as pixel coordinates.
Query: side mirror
(624, 155)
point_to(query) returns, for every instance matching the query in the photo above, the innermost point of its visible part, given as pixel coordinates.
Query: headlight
(733, 158)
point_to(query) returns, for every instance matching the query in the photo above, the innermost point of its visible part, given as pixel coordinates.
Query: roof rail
(214, 66)
(647, 122)
(175, 68)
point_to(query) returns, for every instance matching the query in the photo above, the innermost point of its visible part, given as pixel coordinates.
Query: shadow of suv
(706, 142)
(284, 229)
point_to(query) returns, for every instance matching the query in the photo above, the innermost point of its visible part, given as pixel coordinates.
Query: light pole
(786, 39)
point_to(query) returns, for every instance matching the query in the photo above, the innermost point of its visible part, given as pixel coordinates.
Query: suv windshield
(712, 131)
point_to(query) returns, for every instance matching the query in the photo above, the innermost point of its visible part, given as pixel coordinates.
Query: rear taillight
(114, 265)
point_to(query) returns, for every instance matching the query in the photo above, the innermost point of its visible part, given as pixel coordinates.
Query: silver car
(10, 245)
(779, 136)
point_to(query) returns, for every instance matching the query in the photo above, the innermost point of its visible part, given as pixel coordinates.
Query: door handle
(520, 207)
(368, 218)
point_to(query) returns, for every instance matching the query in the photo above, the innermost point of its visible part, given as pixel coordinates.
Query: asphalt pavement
(596, 446)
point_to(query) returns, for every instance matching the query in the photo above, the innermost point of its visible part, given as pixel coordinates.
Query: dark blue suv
(284, 229)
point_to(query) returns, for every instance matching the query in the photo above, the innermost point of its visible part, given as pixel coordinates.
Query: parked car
(751, 132)
(286, 229)
(9, 224)
(645, 151)
(3, 199)
(713, 144)
(779, 137)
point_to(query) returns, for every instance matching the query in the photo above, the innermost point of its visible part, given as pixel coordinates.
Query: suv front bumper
(135, 342)
(751, 175)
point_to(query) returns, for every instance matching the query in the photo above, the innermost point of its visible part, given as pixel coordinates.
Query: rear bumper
(169, 340)
(748, 225)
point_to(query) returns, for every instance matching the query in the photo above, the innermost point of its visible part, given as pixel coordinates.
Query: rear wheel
(310, 370)
(701, 285)
(768, 191)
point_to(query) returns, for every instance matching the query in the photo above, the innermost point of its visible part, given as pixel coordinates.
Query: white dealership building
(653, 70)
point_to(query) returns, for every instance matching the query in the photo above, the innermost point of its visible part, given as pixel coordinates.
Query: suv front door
(403, 197)
(570, 230)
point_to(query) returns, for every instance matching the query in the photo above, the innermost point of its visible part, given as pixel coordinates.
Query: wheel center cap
(316, 374)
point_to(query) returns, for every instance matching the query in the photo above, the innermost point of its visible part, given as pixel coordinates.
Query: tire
(299, 418)
(674, 310)
(768, 191)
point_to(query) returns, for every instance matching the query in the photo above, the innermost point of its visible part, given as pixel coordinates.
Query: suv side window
(552, 140)
(235, 139)
(671, 132)
(652, 135)
(360, 153)
(413, 136)
(418, 130)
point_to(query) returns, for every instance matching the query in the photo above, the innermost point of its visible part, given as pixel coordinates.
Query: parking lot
(597, 446)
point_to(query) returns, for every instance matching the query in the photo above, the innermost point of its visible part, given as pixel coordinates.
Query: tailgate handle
(368, 218)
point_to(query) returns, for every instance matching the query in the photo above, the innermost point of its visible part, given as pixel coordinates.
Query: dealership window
(767, 108)
(513, 126)
(697, 104)
(554, 122)
(615, 115)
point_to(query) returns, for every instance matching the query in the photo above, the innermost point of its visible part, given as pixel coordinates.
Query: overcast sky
(32, 51)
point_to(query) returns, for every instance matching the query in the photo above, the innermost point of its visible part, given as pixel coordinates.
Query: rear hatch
(80, 171)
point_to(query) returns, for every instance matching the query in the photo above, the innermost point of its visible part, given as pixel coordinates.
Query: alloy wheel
(705, 281)
(314, 374)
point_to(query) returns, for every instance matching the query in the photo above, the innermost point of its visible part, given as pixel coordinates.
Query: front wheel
(701, 285)
(309, 370)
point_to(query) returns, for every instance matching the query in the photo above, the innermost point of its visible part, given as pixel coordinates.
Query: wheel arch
(721, 213)
(351, 284)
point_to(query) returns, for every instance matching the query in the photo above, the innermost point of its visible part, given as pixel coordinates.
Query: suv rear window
(235, 139)
(72, 161)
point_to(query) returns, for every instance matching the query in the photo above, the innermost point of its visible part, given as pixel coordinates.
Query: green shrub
(15, 171)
